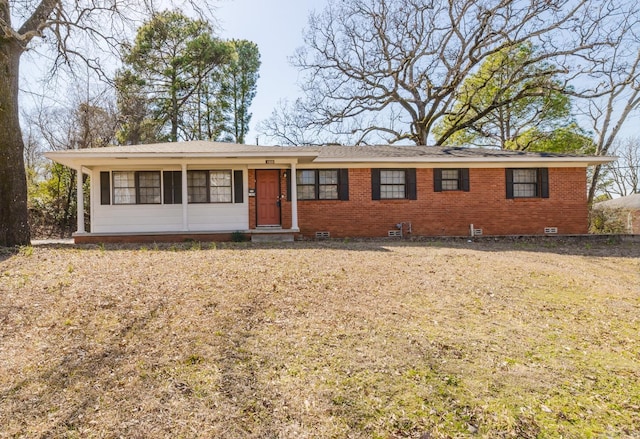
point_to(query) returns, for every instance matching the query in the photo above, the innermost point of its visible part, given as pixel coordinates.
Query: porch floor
(255, 235)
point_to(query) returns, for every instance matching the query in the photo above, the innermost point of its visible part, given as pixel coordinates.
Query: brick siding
(447, 213)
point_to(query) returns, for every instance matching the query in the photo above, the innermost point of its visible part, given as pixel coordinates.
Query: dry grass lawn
(375, 339)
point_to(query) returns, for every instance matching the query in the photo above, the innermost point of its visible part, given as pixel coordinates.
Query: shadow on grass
(582, 245)
(83, 363)
(7, 252)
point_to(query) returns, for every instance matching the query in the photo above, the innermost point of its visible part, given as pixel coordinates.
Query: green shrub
(608, 221)
(238, 236)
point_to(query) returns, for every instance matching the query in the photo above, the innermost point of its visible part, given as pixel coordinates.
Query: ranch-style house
(208, 190)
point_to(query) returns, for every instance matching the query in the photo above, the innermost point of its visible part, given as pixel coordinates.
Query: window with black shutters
(393, 184)
(215, 186)
(527, 183)
(450, 180)
(321, 184)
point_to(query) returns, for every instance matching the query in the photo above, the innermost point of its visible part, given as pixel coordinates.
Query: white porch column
(185, 199)
(80, 200)
(294, 199)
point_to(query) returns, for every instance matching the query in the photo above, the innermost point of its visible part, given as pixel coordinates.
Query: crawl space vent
(550, 230)
(322, 235)
(477, 232)
(397, 233)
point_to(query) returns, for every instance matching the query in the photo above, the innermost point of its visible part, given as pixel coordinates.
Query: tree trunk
(593, 186)
(14, 226)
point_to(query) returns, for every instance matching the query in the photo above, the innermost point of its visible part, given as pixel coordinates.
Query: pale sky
(276, 26)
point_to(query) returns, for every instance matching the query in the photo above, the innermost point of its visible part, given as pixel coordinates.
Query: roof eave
(577, 161)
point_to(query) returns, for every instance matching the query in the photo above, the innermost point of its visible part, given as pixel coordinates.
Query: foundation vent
(395, 233)
(550, 230)
(322, 235)
(477, 232)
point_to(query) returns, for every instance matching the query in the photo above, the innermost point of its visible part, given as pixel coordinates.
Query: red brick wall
(448, 213)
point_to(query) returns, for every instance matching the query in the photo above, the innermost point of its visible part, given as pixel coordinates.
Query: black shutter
(177, 187)
(437, 180)
(464, 179)
(509, 179)
(343, 181)
(238, 187)
(410, 180)
(543, 178)
(288, 175)
(375, 184)
(172, 182)
(167, 186)
(105, 188)
(137, 183)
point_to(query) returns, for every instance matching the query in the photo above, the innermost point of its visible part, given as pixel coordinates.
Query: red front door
(268, 197)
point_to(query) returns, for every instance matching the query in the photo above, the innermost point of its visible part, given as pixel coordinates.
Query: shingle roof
(327, 153)
(628, 202)
(394, 151)
(324, 151)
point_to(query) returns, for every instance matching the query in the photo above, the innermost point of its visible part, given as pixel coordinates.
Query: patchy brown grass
(321, 340)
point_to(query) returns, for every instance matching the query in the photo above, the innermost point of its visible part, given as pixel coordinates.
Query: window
(148, 187)
(213, 186)
(197, 186)
(306, 182)
(136, 187)
(322, 184)
(450, 180)
(527, 183)
(317, 184)
(154, 187)
(391, 184)
(124, 187)
(328, 185)
(220, 186)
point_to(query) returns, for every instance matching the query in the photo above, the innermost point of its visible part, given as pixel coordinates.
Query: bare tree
(87, 121)
(289, 125)
(74, 30)
(622, 177)
(397, 66)
(609, 90)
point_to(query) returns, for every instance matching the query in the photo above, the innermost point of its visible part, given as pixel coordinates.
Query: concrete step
(272, 237)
